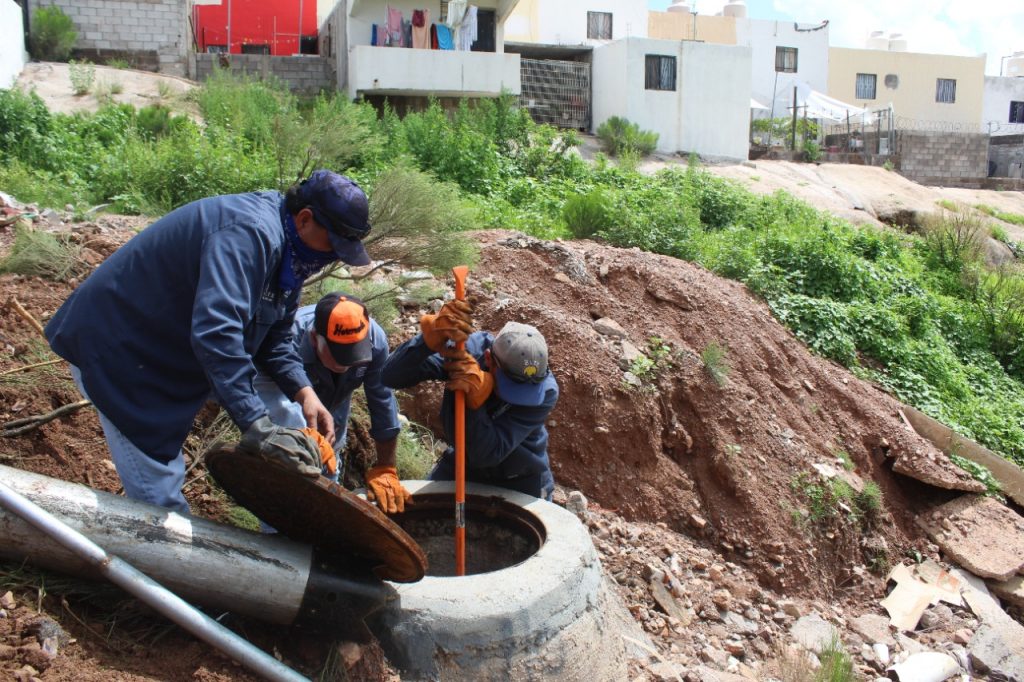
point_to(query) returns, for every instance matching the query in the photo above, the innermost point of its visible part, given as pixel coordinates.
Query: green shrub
(998, 232)
(52, 34)
(82, 75)
(812, 151)
(153, 121)
(954, 237)
(715, 363)
(587, 214)
(619, 136)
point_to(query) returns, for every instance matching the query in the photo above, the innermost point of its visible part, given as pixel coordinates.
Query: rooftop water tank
(897, 43)
(736, 8)
(679, 6)
(878, 41)
(1015, 65)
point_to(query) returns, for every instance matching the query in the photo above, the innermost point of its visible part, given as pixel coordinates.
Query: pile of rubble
(708, 619)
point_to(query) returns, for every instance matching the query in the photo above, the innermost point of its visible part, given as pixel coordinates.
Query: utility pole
(793, 144)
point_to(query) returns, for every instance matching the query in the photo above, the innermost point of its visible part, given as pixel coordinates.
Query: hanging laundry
(468, 30)
(373, 34)
(406, 33)
(444, 37)
(456, 11)
(421, 29)
(434, 44)
(395, 35)
(382, 36)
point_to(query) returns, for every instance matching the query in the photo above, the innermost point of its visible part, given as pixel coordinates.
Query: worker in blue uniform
(186, 311)
(343, 348)
(509, 394)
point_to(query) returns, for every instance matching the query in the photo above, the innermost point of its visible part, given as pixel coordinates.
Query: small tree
(52, 36)
(619, 136)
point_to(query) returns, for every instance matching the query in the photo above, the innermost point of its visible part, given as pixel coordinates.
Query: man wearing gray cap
(510, 391)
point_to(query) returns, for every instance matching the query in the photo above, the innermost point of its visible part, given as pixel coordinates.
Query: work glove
(328, 460)
(382, 485)
(465, 374)
(289, 448)
(454, 322)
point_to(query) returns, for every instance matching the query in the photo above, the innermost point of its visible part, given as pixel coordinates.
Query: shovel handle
(460, 272)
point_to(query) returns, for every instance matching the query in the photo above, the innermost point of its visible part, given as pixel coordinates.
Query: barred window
(660, 72)
(945, 90)
(1016, 112)
(599, 25)
(866, 85)
(256, 48)
(785, 59)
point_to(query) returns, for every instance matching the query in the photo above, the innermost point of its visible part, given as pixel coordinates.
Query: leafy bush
(812, 151)
(619, 136)
(82, 75)
(153, 121)
(587, 214)
(52, 34)
(954, 237)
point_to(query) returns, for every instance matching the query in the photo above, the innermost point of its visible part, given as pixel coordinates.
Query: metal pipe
(152, 593)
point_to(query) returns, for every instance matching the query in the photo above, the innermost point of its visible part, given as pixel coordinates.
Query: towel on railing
(396, 37)
(421, 31)
(444, 38)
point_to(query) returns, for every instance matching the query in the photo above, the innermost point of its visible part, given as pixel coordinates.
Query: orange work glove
(464, 374)
(454, 322)
(382, 485)
(327, 459)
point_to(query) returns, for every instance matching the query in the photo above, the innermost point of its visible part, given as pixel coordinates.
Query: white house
(1003, 108)
(781, 52)
(696, 96)
(12, 43)
(576, 22)
(364, 69)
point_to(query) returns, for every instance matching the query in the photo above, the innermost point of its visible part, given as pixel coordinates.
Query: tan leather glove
(382, 485)
(328, 460)
(454, 322)
(465, 374)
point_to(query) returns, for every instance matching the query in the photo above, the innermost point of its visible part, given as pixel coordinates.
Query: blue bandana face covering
(299, 261)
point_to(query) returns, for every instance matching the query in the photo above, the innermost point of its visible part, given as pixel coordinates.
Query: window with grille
(599, 25)
(785, 59)
(866, 85)
(216, 49)
(660, 72)
(256, 48)
(945, 90)
(1016, 112)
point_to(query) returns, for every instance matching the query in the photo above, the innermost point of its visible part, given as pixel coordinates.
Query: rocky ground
(704, 483)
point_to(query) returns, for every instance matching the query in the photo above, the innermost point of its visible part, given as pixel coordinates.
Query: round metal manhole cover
(341, 526)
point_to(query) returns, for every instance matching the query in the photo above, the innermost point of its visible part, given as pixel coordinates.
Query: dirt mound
(718, 459)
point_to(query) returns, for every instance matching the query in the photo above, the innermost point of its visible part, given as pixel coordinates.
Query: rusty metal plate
(337, 523)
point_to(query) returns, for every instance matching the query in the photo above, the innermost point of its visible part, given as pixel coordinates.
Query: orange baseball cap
(344, 322)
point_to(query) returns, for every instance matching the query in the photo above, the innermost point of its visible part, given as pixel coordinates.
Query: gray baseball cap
(521, 354)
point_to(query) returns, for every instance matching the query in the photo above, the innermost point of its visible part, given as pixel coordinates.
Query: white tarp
(754, 104)
(820, 105)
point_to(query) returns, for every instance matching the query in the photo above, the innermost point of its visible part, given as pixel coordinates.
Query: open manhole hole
(499, 534)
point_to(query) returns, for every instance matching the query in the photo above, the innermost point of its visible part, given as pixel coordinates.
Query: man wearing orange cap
(342, 349)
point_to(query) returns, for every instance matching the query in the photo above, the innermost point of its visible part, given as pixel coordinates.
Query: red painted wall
(253, 23)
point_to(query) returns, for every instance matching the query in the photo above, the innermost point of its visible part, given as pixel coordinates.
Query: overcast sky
(961, 27)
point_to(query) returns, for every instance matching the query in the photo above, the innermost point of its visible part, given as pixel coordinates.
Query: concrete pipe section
(533, 605)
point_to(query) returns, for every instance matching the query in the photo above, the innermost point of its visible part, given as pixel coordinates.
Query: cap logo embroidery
(340, 331)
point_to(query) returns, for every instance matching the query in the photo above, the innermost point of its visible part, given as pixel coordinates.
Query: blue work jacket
(506, 445)
(182, 311)
(335, 390)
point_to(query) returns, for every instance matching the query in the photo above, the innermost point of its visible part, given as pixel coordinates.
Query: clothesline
(457, 32)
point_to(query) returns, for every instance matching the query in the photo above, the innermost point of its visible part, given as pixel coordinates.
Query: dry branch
(26, 424)
(18, 308)
(32, 366)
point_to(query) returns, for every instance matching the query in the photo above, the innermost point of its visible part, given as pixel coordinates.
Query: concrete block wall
(1006, 156)
(940, 156)
(150, 33)
(306, 75)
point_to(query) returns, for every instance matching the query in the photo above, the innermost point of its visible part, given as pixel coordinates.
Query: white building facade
(577, 22)
(12, 43)
(696, 96)
(1003, 108)
(780, 53)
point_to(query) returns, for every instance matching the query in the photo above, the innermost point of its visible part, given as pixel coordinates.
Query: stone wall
(1006, 156)
(306, 75)
(942, 158)
(151, 34)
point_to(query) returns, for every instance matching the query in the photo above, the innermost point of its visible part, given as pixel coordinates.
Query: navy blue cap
(340, 205)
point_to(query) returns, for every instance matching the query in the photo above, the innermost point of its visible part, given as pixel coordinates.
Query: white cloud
(962, 27)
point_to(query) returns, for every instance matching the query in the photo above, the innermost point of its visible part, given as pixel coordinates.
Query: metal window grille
(785, 59)
(599, 25)
(256, 48)
(1016, 112)
(216, 49)
(945, 90)
(556, 92)
(444, 10)
(660, 72)
(866, 85)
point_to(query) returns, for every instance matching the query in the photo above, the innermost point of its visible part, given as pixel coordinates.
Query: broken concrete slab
(814, 633)
(936, 469)
(1010, 591)
(1000, 650)
(980, 534)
